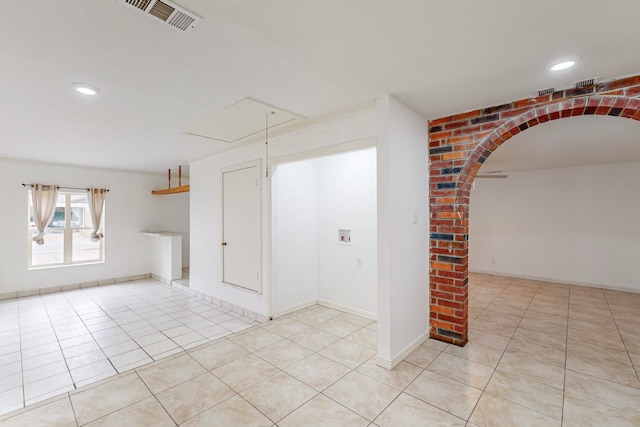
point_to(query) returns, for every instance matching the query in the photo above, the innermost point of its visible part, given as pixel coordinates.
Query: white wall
(311, 199)
(575, 225)
(174, 216)
(347, 198)
(206, 225)
(130, 208)
(403, 254)
(294, 234)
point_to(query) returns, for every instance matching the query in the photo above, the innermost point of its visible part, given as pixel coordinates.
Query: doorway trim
(345, 147)
(458, 146)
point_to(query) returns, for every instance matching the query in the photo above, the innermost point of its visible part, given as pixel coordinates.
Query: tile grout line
(621, 337)
(355, 369)
(298, 379)
(511, 283)
(503, 351)
(42, 305)
(283, 338)
(90, 333)
(24, 399)
(566, 358)
(404, 390)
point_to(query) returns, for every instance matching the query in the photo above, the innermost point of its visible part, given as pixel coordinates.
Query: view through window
(68, 235)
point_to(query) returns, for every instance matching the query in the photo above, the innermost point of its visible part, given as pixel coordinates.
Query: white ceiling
(573, 141)
(309, 57)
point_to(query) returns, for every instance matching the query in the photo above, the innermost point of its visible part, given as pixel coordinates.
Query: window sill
(77, 264)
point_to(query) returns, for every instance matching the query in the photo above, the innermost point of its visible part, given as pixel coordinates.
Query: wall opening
(565, 211)
(324, 233)
(459, 145)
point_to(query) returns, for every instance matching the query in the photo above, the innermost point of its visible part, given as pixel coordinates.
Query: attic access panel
(242, 120)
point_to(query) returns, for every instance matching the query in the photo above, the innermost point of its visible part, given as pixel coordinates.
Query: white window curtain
(96, 207)
(43, 199)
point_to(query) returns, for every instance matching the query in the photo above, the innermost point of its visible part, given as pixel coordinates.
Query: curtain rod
(64, 188)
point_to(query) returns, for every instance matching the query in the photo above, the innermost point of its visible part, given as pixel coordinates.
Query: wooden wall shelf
(174, 190)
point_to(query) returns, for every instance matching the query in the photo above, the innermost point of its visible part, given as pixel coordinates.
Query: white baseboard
(73, 286)
(216, 301)
(390, 364)
(562, 282)
(326, 303)
(294, 307)
(346, 309)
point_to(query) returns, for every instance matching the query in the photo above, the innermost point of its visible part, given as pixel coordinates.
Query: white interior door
(241, 227)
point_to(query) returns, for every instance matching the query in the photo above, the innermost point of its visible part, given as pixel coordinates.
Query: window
(68, 235)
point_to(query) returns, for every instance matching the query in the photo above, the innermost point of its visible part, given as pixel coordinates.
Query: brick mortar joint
(599, 89)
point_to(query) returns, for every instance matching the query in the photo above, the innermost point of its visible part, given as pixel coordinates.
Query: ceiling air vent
(586, 83)
(166, 11)
(548, 91)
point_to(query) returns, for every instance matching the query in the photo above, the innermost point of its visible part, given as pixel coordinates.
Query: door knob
(224, 243)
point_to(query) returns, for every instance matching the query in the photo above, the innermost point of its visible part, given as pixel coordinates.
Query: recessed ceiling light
(85, 89)
(563, 64)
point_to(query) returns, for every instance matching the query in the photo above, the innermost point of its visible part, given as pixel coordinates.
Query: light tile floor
(54, 343)
(540, 354)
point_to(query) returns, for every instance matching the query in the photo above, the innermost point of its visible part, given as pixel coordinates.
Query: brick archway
(458, 146)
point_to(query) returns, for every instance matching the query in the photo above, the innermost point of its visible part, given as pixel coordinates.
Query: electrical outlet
(360, 262)
(493, 261)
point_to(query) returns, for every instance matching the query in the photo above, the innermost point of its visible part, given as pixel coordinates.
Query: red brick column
(458, 146)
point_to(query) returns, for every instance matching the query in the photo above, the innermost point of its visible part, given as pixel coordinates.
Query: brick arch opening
(458, 146)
